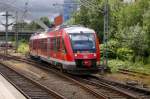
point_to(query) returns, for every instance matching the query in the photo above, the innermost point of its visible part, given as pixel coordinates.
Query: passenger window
(48, 44)
(63, 46)
(55, 44)
(51, 43)
(34, 44)
(58, 43)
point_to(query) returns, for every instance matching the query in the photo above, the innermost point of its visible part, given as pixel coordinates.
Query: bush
(112, 46)
(125, 54)
(23, 48)
(115, 65)
(138, 66)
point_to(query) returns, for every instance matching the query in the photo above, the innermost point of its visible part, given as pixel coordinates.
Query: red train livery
(74, 49)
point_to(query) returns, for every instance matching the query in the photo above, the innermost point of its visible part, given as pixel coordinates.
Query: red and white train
(72, 48)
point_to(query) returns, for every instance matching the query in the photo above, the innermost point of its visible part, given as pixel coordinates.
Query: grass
(138, 66)
(23, 47)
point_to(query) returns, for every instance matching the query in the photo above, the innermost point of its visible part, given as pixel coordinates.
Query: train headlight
(94, 55)
(75, 55)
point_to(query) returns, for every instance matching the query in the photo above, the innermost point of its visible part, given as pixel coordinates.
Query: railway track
(29, 88)
(136, 92)
(86, 88)
(110, 91)
(101, 87)
(133, 73)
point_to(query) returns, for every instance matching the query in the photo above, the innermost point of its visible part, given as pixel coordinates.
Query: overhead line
(82, 2)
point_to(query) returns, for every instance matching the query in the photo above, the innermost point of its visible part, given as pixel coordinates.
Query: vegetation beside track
(137, 66)
(23, 47)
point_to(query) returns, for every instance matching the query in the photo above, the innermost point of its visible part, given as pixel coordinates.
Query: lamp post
(105, 12)
(16, 30)
(106, 30)
(7, 15)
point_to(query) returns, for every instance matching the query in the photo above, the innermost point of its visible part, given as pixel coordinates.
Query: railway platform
(8, 91)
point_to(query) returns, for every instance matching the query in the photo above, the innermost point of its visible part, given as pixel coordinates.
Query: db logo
(85, 57)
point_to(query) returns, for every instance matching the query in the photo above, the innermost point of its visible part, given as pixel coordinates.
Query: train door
(45, 47)
(62, 49)
(58, 48)
(31, 45)
(36, 48)
(48, 48)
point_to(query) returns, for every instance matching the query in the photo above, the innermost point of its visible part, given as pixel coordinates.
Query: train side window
(31, 44)
(63, 46)
(58, 44)
(52, 44)
(42, 44)
(45, 44)
(55, 44)
(34, 44)
(48, 44)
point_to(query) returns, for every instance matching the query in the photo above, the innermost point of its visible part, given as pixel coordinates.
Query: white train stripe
(57, 60)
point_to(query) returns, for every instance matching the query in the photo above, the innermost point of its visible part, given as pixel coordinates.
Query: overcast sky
(35, 8)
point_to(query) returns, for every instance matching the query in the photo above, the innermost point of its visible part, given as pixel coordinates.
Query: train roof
(67, 29)
(79, 29)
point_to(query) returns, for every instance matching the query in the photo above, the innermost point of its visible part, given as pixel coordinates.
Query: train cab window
(83, 42)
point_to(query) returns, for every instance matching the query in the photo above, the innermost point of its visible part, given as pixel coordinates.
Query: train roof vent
(67, 26)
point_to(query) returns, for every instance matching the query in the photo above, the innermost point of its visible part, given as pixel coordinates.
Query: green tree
(46, 21)
(90, 16)
(129, 26)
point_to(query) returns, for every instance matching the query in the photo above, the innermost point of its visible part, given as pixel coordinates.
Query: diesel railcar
(74, 49)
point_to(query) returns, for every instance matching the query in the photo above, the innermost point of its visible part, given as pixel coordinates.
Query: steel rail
(109, 84)
(86, 88)
(15, 86)
(52, 92)
(110, 88)
(140, 92)
(134, 73)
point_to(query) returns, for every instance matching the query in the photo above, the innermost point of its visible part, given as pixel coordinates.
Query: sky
(35, 9)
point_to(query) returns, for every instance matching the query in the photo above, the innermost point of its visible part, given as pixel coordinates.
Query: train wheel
(61, 68)
(30, 56)
(27, 55)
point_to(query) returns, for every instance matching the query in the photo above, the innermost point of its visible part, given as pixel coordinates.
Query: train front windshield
(83, 42)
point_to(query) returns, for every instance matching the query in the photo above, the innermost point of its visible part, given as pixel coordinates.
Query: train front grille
(80, 63)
